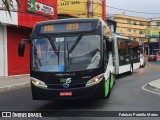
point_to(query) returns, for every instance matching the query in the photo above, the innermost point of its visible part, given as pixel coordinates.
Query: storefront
(17, 27)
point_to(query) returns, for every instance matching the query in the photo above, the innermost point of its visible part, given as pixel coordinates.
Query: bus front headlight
(38, 83)
(95, 80)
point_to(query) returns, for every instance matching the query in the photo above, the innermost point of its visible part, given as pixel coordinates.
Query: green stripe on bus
(107, 87)
(112, 80)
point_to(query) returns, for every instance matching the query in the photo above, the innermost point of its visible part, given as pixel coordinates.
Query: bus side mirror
(21, 47)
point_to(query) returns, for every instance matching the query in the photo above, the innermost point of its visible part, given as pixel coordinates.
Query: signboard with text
(33, 11)
(83, 8)
(40, 7)
(44, 9)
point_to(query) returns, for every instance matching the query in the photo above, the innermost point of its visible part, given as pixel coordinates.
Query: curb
(153, 86)
(13, 87)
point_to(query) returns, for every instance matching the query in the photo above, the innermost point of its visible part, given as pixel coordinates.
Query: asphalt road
(126, 95)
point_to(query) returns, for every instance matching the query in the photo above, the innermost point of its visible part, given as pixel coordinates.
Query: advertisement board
(83, 8)
(35, 11)
(154, 32)
(41, 7)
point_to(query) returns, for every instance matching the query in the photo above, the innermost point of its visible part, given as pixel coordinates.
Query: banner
(83, 8)
(31, 5)
(39, 114)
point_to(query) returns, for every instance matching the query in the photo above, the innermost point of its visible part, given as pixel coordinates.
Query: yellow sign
(72, 26)
(154, 31)
(49, 28)
(81, 8)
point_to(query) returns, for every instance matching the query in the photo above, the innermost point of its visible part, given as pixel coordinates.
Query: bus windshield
(66, 54)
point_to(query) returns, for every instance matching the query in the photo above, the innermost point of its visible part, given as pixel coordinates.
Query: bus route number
(74, 26)
(49, 28)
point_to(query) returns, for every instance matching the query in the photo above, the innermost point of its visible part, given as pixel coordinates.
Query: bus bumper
(95, 91)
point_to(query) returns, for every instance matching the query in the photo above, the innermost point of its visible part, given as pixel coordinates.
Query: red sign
(66, 93)
(44, 10)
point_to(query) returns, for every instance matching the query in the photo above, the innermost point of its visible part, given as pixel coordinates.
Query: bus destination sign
(64, 28)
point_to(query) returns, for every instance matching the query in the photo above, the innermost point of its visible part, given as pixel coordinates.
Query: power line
(130, 10)
(121, 8)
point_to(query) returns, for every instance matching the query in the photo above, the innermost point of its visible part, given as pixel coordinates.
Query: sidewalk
(155, 84)
(13, 82)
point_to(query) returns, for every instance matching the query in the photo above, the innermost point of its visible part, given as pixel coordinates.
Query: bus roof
(69, 20)
(72, 25)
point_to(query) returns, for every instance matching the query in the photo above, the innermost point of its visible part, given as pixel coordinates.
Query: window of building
(158, 23)
(134, 39)
(141, 24)
(134, 31)
(128, 30)
(134, 22)
(141, 32)
(129, 21)
(140, 41)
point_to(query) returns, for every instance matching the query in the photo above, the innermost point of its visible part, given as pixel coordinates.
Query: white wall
(3, 51)
(6, 19)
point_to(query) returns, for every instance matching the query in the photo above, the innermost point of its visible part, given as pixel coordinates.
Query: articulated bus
(72, 59)
(127, 56)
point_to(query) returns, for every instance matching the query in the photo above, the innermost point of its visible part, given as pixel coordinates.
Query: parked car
(152, 57)
(142, 60)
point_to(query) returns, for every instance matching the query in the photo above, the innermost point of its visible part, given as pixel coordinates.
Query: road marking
(143, 87)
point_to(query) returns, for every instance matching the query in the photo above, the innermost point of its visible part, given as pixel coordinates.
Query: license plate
(66, 93)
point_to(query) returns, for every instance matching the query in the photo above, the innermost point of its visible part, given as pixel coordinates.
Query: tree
(8, 4)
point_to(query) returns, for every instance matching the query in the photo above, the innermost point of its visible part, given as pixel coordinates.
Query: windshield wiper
(75, 43)
(54, 48)
(58, 53)
(68, 53)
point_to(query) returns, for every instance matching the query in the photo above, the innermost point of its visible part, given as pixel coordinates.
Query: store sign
(44, 9)
(154, 32)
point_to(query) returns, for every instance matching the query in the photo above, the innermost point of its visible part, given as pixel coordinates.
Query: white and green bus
(127, 57)
(71, 59)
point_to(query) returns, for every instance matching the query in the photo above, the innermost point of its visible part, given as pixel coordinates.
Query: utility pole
(89, 8)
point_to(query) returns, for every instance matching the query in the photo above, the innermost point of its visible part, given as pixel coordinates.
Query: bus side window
(108, 47)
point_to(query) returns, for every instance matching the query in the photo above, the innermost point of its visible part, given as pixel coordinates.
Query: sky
(147, 6)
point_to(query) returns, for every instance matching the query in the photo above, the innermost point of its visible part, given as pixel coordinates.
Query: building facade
(83, 8)
(153, 29)
(131, 27)
(18, 26)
